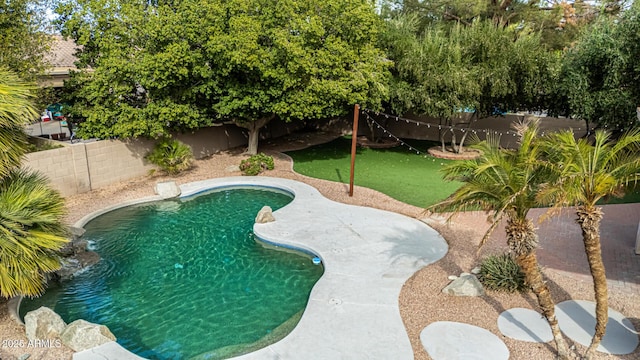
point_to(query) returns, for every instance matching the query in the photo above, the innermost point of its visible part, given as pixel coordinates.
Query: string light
(453, 128)
(370, 119)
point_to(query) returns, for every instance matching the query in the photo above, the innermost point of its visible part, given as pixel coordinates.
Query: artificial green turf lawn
(397, 172)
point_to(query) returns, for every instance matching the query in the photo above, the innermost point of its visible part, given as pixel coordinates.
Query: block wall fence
(82, 167)
(85, 166)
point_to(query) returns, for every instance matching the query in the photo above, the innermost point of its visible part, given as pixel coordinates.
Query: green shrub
(171, 156)
(256, 164)
(502, 273)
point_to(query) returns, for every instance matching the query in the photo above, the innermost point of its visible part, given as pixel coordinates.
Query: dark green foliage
(171, 156)
(502, 273)
(23, 41)
(256, 164)
(441, 71)
(158, 67)
(599, 75)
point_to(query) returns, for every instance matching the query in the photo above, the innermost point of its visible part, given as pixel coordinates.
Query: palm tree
(505, 183)
(31, 233)
(585, 173)
(31, 213)
(15, 112)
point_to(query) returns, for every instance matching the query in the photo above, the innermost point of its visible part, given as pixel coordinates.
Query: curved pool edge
(391, 247)
(85, 219)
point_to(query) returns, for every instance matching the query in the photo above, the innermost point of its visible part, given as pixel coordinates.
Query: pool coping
(352, 312)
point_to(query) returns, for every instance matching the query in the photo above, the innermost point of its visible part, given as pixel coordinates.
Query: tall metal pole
(354, 138)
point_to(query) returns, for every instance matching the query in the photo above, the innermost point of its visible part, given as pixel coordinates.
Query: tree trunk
(523, 241)
(441, 136)
(466, 132)
(589, 218)
(254, 132)
(454, 147)
(588, 133)
(372, 131)
(464, 137)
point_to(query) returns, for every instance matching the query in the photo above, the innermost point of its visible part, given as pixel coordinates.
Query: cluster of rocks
(467, 284)
(75, 256)
(44, 324)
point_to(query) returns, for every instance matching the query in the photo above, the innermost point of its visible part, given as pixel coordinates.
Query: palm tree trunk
(523, 241)
(589, 217)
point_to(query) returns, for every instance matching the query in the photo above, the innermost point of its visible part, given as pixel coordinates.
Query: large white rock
(81, 335)
(167, 189)
(43, 324)
(265, 215)
(465, 285)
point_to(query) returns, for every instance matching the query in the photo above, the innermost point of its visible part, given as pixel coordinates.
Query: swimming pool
(183, 278)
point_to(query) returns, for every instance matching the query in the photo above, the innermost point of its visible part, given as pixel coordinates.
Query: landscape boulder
(81, 335)
(76, 232)
(167, 189)
(43, 323)
(75, 264)
(265, 215)
(465, 285)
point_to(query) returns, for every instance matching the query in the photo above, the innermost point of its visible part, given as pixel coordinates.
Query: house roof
(61, 60)
(61, 57)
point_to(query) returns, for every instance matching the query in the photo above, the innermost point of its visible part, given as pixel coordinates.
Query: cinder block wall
(110, 161)
(82, 167)
(57, 166)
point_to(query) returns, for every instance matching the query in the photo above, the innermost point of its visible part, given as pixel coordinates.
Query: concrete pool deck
(368, 255)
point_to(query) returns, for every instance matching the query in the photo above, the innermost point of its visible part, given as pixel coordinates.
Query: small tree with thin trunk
(585, 173)
(505, 183)
(440, 72)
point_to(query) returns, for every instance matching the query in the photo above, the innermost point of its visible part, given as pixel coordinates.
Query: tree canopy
(559, 22)
(600, 76)
(441, 71)
(22, 37)
(174, 65)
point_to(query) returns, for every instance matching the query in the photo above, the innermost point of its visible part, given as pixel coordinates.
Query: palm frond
(501, 182)
(16, 110)
(31, 232)
(587, 172)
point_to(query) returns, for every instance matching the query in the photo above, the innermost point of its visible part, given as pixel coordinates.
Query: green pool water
(186, 278)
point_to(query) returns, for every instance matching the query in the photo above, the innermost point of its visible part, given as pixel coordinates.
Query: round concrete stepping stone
(577, 320)
(525, 325)
(446, 340)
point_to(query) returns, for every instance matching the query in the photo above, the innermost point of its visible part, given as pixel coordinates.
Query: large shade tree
(441, 71)
(559, 22)
(600, 77)
(162, 66)
(23, 40)
(31, 213)
(585, 173)
(505, 184)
